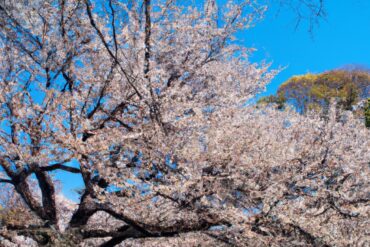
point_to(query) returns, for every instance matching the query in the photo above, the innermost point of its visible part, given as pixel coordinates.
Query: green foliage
(367, 113)
(279, 100)
(315, 91)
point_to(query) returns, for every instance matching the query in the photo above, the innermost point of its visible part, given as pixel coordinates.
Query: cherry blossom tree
(147, 98)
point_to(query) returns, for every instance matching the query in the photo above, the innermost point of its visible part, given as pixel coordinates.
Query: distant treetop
(315, 91)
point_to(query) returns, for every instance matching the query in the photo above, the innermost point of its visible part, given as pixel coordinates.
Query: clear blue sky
(342, 39)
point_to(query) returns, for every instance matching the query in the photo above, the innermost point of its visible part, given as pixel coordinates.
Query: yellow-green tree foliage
(272, 99)
(315, 91)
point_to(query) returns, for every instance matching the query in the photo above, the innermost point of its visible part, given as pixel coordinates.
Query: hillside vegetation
(315, 91)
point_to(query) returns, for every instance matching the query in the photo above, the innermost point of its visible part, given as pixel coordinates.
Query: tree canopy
(316, 91)
(144, 100)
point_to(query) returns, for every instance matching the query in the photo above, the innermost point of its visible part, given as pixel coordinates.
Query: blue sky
(70, 182)
(342, 39)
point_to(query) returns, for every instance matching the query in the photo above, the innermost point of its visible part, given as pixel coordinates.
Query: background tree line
(349, 88)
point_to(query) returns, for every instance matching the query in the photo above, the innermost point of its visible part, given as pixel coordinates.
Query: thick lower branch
(48, 194)
(24, 191)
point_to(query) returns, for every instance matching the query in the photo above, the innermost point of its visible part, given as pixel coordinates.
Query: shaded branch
(6, 181)
(59, 166)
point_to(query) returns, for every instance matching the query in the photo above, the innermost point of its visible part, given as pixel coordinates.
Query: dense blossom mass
(146, 101)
